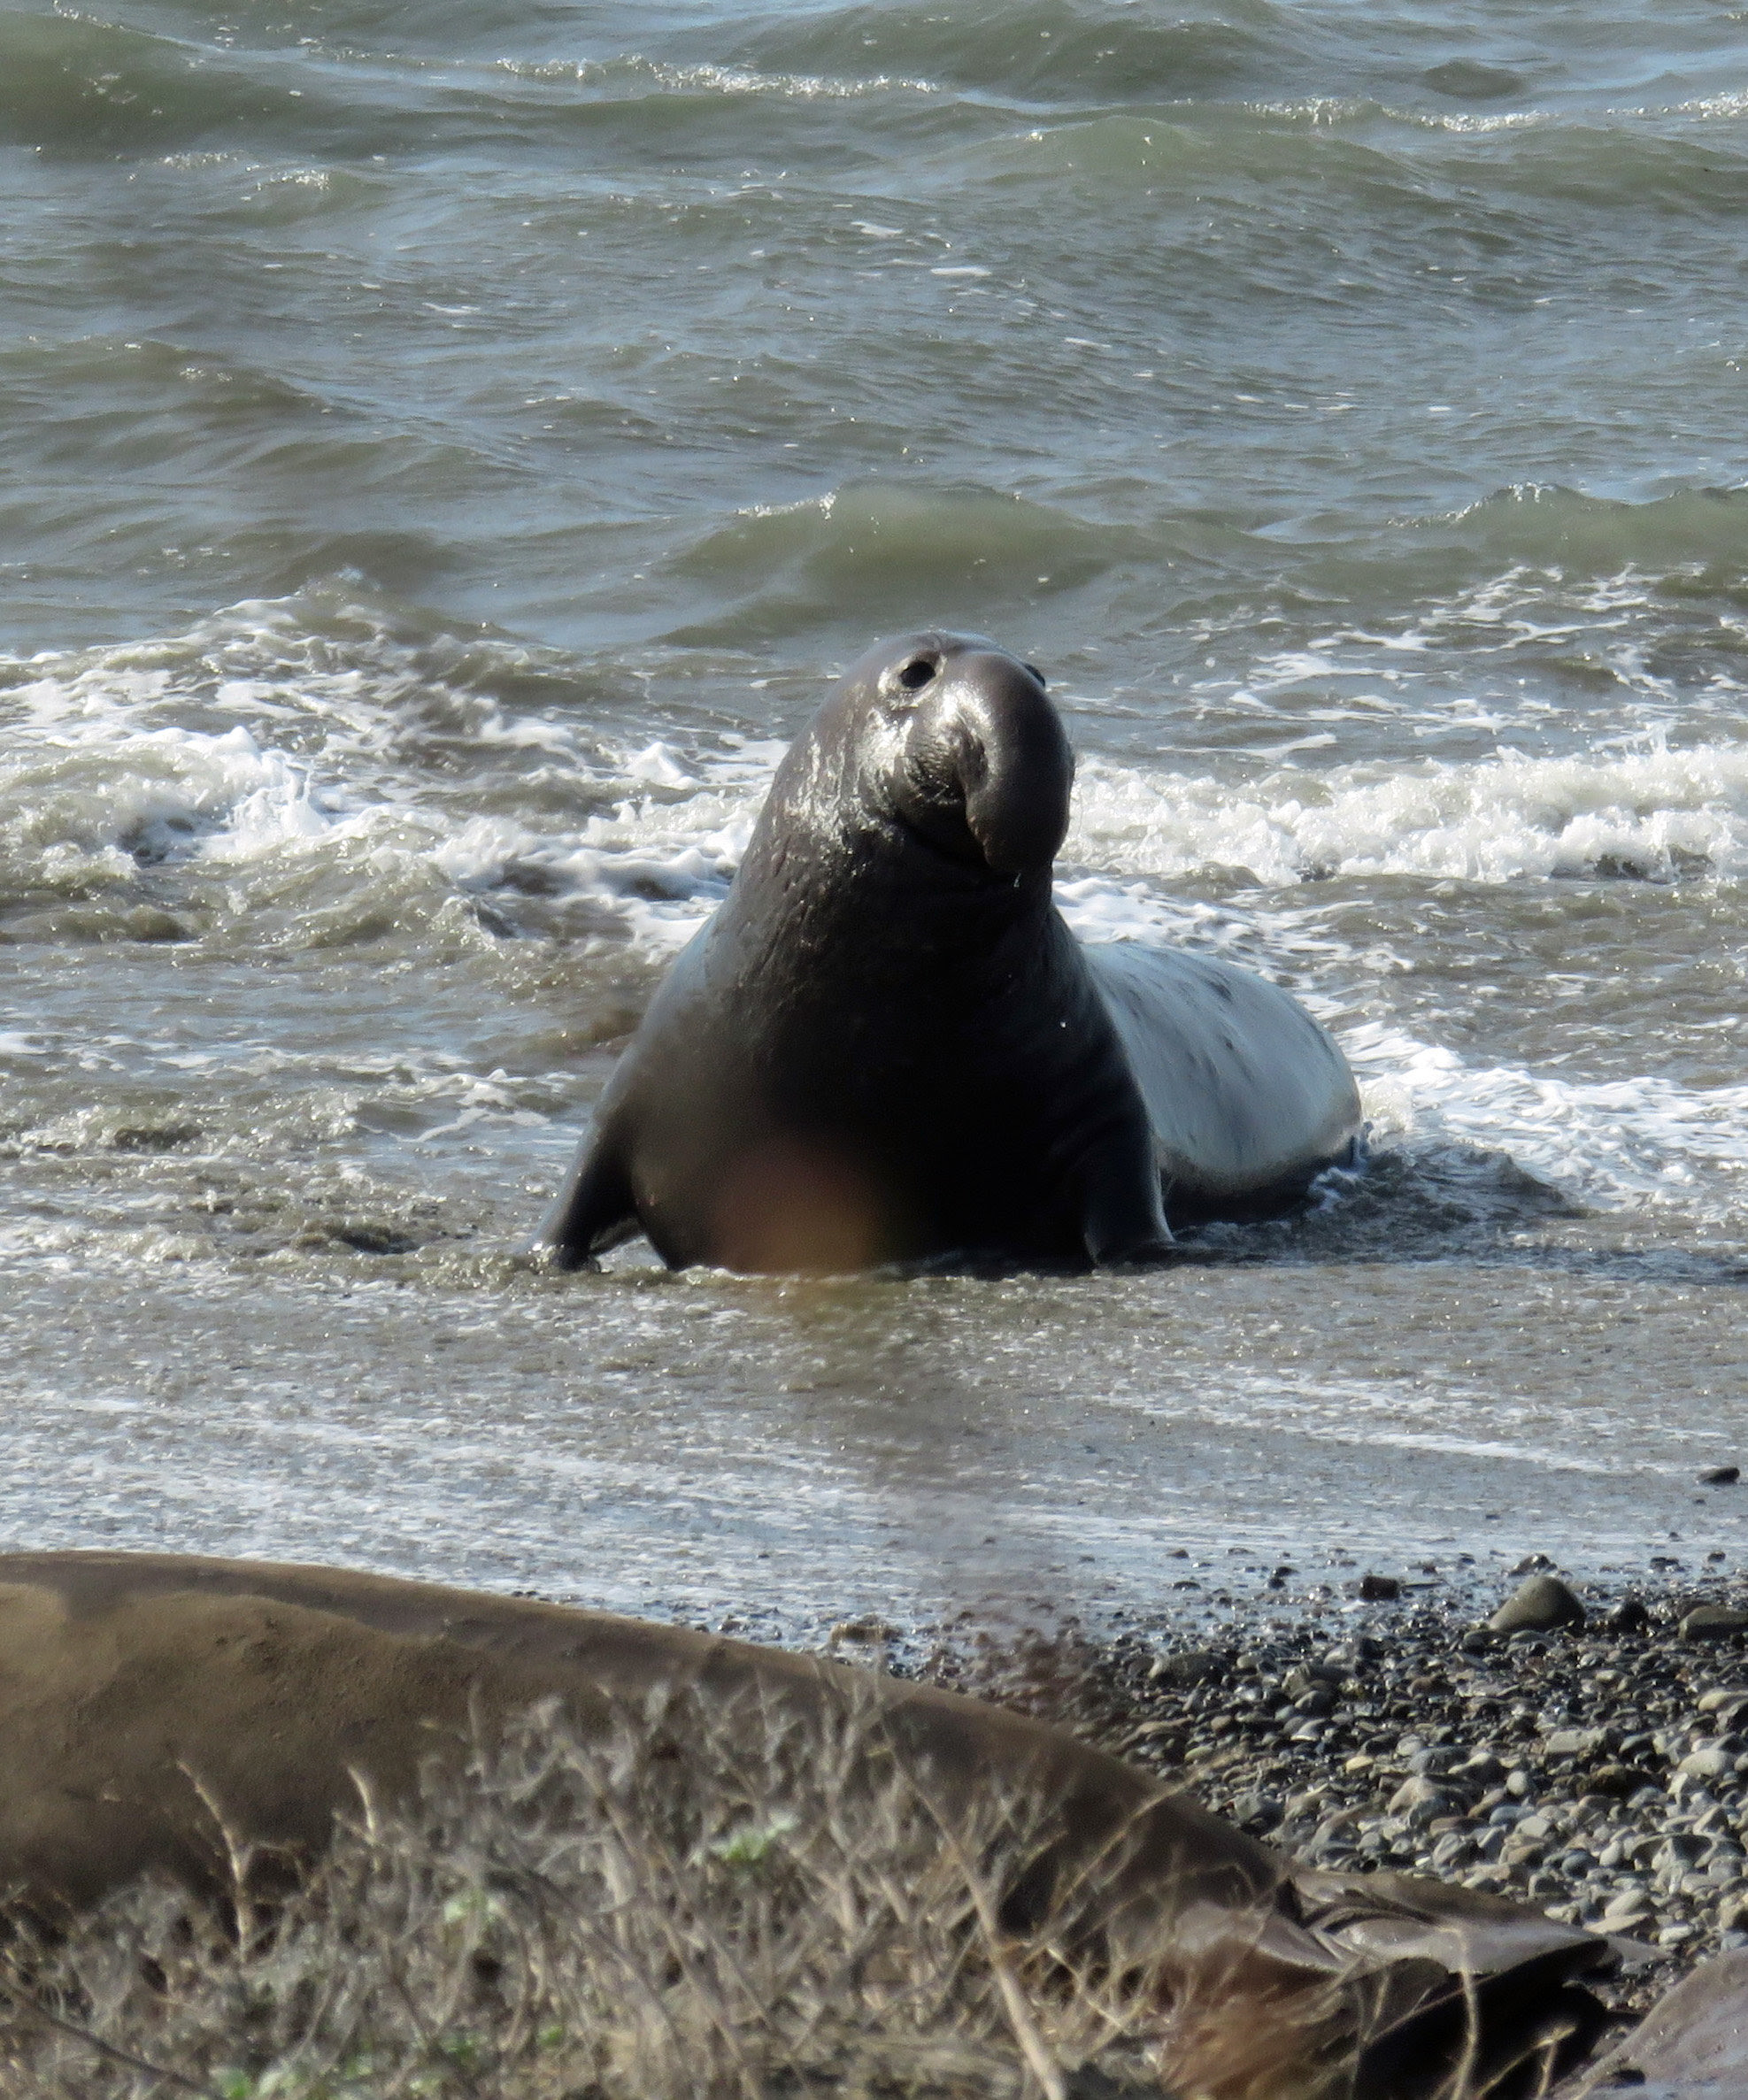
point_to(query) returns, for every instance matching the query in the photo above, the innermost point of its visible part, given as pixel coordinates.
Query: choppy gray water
(447, 448)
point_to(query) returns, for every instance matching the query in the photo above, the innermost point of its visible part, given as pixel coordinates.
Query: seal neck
(894, 898)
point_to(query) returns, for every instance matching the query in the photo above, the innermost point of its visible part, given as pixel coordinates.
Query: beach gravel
(1598, 1772)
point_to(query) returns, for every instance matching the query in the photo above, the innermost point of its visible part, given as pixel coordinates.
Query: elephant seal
(168, 1716)
(887, 1046)
(1691, 2045)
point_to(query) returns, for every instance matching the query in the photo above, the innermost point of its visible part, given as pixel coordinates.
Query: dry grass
(662, 1914)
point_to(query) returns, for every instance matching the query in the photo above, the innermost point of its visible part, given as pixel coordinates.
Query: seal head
(971, 753)
(943, 742)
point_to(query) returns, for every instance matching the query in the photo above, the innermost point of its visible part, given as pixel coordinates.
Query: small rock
(1714, 1622)
(1421, 1798)
(1481, 1770)
(1727, 1701)
(1631, 1615)
(1618, 1780)
(1706, 1764)
(1628, 1906)
(1542, 1603)
(1574, 1742)
(1692, 1792)
(868, 1632)
(1379, 1589)
(1191, 1665)
(1533, 1564)
(1256, 1812)
(1721, 1476)
(1160, 1739)
(1435, 1758)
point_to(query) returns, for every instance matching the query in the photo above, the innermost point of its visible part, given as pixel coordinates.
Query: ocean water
(448, 450)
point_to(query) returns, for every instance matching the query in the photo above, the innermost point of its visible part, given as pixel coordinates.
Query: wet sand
(703, 1447)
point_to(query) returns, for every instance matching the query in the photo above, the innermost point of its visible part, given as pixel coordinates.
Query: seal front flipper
(593, 1211)
(1122, 1214)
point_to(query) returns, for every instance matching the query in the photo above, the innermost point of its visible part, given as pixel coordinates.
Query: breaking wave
(1656, 814)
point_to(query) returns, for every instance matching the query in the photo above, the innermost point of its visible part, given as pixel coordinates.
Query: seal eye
(916, 675)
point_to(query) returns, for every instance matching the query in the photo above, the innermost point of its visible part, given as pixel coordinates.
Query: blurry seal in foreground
(167, 1715)
(887, 1045)
(1691, 2045)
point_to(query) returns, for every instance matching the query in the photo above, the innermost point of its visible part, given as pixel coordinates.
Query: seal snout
(1018, 769)
(987, 769)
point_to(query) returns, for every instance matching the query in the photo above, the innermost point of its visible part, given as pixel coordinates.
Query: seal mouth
(965, 853)
(987, 783)
(960, 742)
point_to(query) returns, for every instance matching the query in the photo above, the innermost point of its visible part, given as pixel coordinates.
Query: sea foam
(271, 780)
(1656, 813)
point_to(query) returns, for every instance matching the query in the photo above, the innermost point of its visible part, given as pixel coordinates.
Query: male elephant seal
(887, 1045)
(166, 1715)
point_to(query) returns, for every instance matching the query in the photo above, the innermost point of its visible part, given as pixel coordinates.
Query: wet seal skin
(887, 1046)
(158, 1714)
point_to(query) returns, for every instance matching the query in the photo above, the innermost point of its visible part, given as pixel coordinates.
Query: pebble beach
(1598, 1772)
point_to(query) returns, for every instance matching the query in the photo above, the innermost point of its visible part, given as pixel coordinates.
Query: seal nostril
(917, 673)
